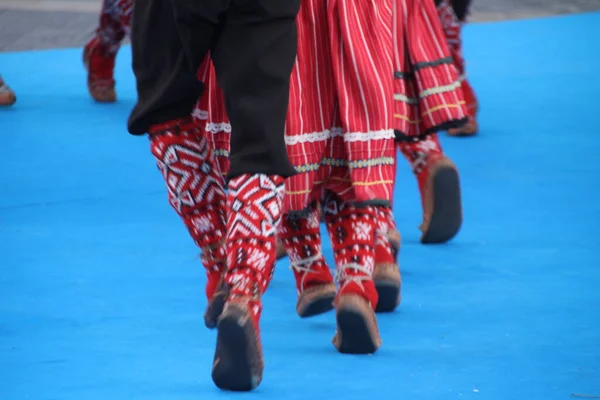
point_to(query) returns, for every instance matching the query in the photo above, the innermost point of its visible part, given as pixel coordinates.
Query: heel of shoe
(238, 362)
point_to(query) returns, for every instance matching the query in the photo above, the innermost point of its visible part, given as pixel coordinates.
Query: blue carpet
(101, 290)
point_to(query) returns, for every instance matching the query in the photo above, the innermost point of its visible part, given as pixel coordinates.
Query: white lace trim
(218, 127)
(312, 137)
(383, 134)
(200, 114)
(334, 132)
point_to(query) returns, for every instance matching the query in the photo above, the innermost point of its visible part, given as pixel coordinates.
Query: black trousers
(461, 8)
(253, 48)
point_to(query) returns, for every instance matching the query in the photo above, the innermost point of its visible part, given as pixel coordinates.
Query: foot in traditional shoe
(471, 127)
(7, 96)
(238, 363)
(217, 289)
(442, 204)
(215, 306)
(357, 331)
(100, 65)
(468, 129)
(316, 300)
(386, 272)
(314, 283)
(388, 283)
(316, 288)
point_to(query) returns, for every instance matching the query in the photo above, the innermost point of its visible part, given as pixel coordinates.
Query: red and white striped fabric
(452, 28)
(427, 96)
(339, 131)
(344, 100)
(211, 112)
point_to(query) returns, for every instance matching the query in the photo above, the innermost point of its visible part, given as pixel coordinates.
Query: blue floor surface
(101, 290)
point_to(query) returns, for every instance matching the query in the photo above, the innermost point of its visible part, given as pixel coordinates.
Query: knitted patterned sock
(352, 231)
(254, 204)
(194, 190)
(421, 155)
(302, 240)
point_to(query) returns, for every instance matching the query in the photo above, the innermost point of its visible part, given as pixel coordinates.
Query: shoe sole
(356, 337)
(447, 207)
(238, 362)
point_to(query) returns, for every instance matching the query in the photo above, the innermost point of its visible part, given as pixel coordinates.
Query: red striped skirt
(210, 111)
(452, 27)
(344, 100)
(339, 131)
(427, 95)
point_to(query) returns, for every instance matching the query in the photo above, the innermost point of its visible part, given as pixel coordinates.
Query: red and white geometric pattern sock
(194, 189)
(453, 31)
(302, 240)
(352, 231)
(255, 204)
(393, 234)
(421, 155)
(115, 24)
(384, 254)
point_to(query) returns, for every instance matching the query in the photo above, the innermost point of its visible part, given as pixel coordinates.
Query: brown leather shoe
(7, 96)
(316, 300)
(357, 331)
(388, 283)
(468, 129)
(442, 203)
(387, 277)
(238, 363)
